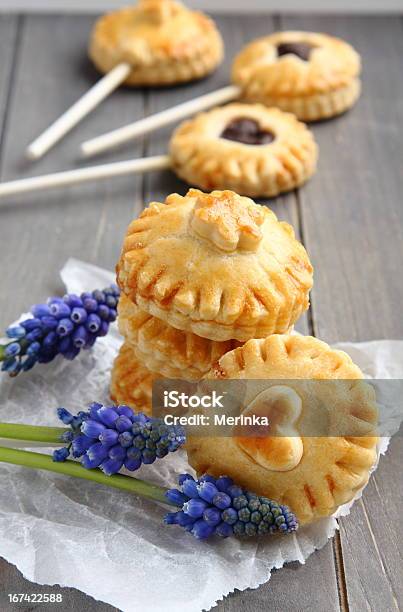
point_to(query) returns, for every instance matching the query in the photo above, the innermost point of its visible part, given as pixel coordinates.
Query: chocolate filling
(301, 49)
(247, 131)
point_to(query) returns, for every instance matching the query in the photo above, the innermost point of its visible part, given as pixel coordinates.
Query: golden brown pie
(251, 149)
(314, 76)
(131, 382)
(166, 350)
(163, 40)
(313, 475)
(217, 265)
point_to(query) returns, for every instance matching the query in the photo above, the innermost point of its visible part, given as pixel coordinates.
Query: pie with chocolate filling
(251, 149)
(162, 40)
(301, 383)
(217, 265)
(314, 76)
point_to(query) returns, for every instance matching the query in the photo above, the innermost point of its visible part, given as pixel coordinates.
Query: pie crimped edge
(332, 469)
(168, 43)
(201, 157)
(324, 86)
(166, 350)
(180, 271)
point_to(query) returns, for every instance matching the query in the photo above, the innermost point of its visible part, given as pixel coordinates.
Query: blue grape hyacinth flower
(113, 437)
(217, 506)
(63, 326)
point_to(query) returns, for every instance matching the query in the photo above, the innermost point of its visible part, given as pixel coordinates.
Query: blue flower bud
(79, 315)
(132, 464)
(126, 411)
(65, 327)
(234, 491)
(30, 324)
(93, 323)
(189, 488)
(125, 439)
(65, 416)
(80, 337)
(33, 335)
(97, 452)
(223, 483)
(50, 340)
(123, 423)
(109, 437)
(33, 349)
(29, 363)
(90, 304)
(12, 349)
(61, 454)
(103, 312)
(202, 530)
(207, 491)
(194, 507)
(40, 310)
(222, 501)
(107, 415)
(99, 296)
(15, 331)
(230, 516)
(176, 497)
(73, 300)
(80, 445)
(94, 407)
(92, 429)
(89, 464)
(212, 516)
(184, 477)
(103, 330)
(111, 466)
(59, 309)
(117, 452)
(224, 530)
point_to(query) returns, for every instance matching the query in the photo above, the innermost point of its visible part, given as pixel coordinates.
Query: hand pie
(217, 265)
(164, 41)
(163, 349)
(131, 382)
(312, 475)
(314, 76)
(251, 149)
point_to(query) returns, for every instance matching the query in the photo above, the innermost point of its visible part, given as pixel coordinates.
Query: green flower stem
(38, 461)
(32, 433)
(3, 351)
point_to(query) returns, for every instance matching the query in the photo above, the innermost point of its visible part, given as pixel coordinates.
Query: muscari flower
(218, 506)
(62, 326)
(112, 437)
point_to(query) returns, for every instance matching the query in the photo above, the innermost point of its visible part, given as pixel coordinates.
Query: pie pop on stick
(253, 150)
(314, 76)
(156, 42)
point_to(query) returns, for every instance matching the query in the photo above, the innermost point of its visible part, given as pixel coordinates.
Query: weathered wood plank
(353, 217)
(39, 232)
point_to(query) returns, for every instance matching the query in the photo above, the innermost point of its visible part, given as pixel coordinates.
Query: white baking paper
(113, 545)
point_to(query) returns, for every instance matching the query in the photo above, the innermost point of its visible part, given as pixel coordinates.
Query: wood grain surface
(350, 217)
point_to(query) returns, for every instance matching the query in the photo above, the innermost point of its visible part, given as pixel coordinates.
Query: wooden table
(350, 217)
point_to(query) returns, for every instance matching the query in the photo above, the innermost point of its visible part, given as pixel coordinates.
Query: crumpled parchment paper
(113, 545)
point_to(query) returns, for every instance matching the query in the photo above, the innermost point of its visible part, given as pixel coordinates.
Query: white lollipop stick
(149, 124)
(78, 111)
(83, 175)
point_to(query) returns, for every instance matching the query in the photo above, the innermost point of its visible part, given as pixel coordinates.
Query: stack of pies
(200, 275)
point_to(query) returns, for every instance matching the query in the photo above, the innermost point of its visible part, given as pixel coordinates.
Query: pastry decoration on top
(164, 41)
(254, 150)
(166, 350)
(217, 265)
(314, 76)
(303, 387)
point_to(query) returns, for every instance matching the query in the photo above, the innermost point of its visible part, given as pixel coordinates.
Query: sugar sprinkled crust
(166, 350)
(131, 382)
(324, 85)
(330, 470)
(163, 40)
(202, 157)
(194, 275)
